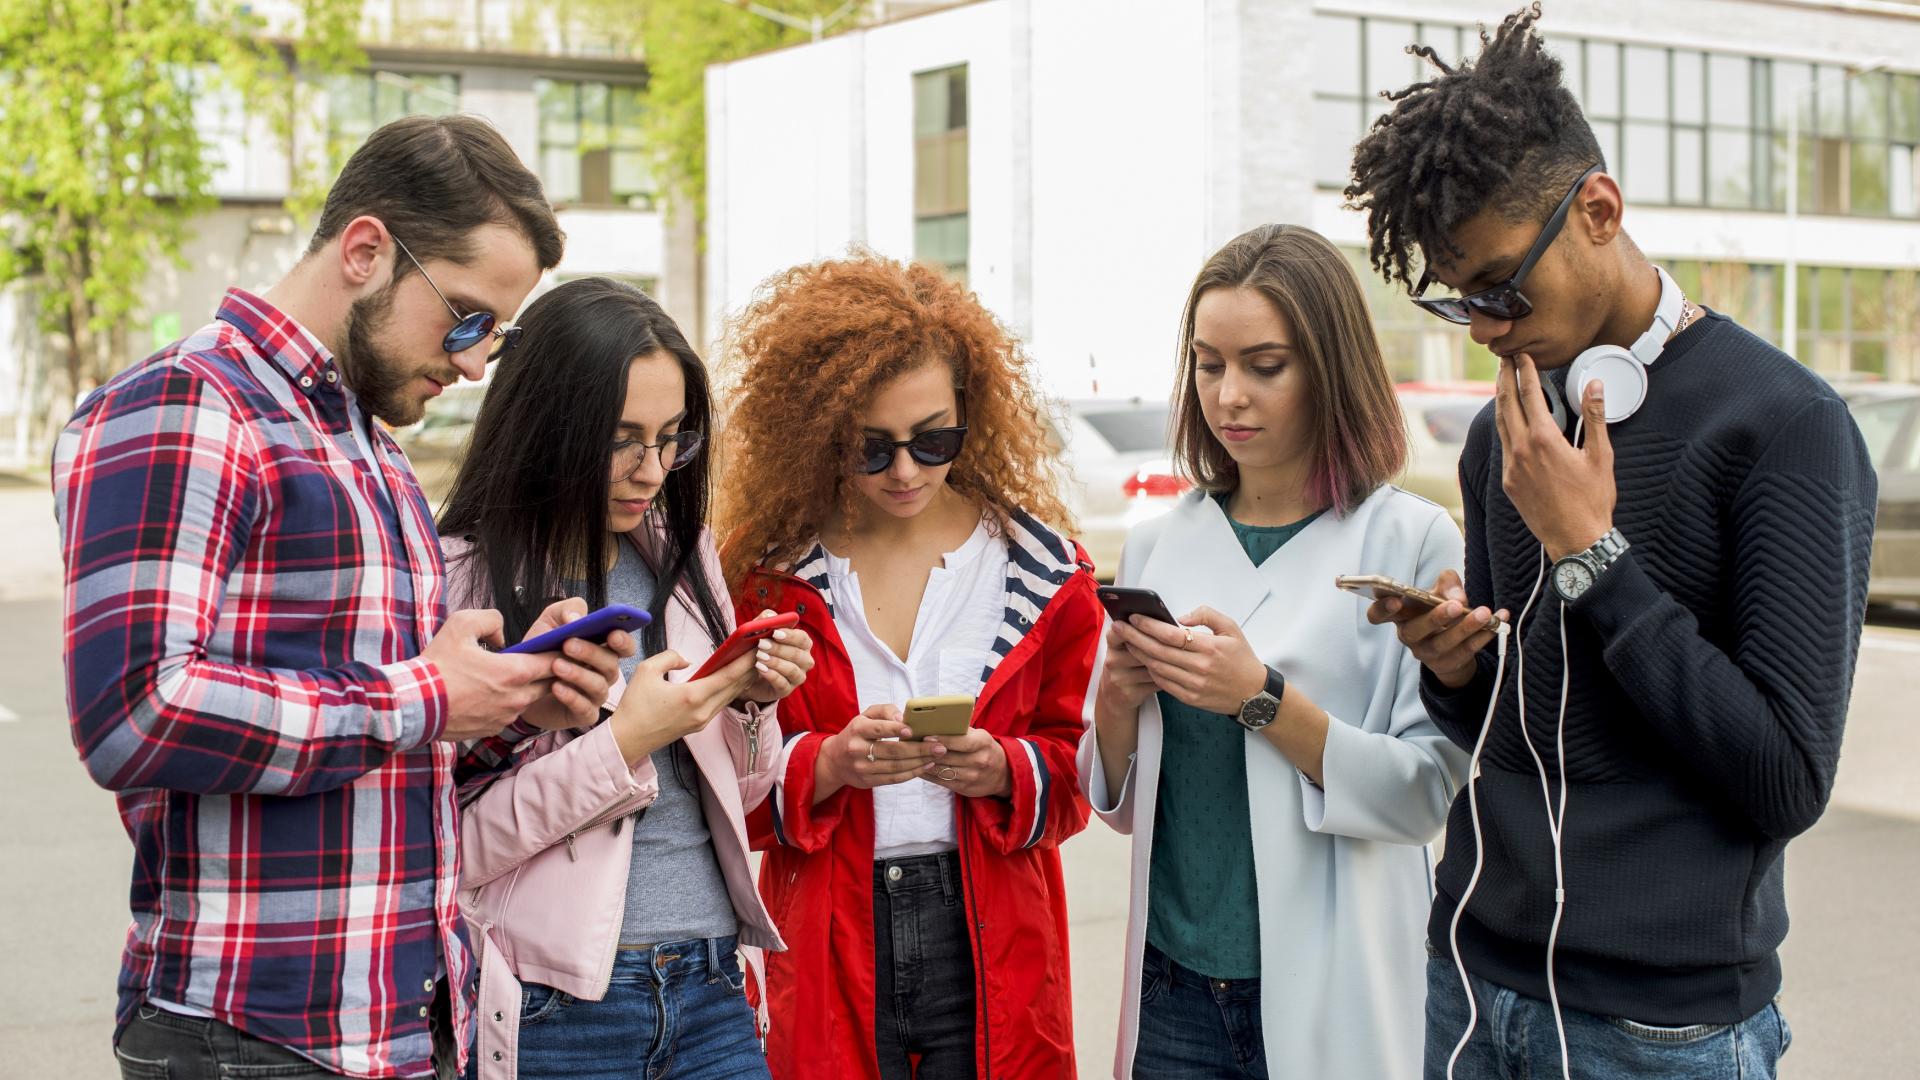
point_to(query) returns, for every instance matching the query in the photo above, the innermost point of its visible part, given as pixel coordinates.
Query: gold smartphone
(947, 714)
(1379, 587)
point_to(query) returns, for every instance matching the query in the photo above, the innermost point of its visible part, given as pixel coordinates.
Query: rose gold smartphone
(1379, 587)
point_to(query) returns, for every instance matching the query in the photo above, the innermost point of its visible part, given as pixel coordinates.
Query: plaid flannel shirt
(247, 595)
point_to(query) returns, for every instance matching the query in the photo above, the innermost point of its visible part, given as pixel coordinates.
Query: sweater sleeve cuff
(1446, 702)
(1619, 596)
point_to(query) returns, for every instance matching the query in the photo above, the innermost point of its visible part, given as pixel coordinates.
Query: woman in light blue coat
(1269, 754)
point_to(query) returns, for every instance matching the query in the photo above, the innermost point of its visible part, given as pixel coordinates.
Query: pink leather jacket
(543, 875)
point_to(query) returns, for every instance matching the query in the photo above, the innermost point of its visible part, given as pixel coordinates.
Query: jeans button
(893, 873)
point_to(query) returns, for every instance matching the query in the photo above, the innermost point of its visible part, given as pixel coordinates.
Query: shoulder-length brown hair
(1359, 435)
(806, 358)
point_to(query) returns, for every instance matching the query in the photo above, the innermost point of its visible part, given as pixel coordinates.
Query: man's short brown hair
(433, 180)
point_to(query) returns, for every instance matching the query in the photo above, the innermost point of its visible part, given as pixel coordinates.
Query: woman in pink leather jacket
(604, 870)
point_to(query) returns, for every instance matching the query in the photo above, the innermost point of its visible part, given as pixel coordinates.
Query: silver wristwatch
(1575, 574)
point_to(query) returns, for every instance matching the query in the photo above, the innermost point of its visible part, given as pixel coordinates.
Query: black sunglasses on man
(1504, 301)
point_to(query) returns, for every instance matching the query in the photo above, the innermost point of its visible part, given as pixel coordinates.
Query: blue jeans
(923, 1006)
(1515, 1037)
(672, 1010)
(1196, 1028)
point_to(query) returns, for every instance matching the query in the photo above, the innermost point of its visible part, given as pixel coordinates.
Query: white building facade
(1075, 161)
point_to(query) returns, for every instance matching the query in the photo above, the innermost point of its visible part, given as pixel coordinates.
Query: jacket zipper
(978, 930)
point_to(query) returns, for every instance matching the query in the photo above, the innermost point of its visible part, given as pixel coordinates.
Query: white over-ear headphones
(1623, 372)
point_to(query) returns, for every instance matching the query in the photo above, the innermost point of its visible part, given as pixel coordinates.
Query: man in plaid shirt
(259, 661)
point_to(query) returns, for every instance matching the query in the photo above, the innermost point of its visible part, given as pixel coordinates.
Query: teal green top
(1202, 901)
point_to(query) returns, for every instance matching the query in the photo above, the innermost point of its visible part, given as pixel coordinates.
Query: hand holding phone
(1379, 587)
(744, 639)
(595, 628)
(947, 715)
(1446, 636)
(1123, 602)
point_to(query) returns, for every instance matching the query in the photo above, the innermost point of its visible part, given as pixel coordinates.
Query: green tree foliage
(681, 38)
(107, 162)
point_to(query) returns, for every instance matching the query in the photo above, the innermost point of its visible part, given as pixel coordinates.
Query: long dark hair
(532, 492)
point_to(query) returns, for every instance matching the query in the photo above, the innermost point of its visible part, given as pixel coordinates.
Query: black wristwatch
(1259, 710)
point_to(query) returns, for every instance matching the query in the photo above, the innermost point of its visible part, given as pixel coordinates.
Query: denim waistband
(696, 956)
(940, 870)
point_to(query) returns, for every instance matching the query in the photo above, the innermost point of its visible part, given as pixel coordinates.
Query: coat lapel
(1199, 561)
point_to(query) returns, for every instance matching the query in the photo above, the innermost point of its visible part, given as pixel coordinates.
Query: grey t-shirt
(675, 890)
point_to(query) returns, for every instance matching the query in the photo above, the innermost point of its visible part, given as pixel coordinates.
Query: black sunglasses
(935, 446)
(468, 330)
(676, 451)
(1504, 301)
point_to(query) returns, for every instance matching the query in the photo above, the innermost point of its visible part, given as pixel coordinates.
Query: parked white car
(1120, 471)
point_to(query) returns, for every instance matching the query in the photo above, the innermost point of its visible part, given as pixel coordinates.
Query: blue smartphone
(596, 628)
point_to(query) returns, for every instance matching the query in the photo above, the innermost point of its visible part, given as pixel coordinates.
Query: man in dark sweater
(1706, 559)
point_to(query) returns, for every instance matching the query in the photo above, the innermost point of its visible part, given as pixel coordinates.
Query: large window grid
(1853, 322)
(592, 150)
(362, 101)
(1679, 127)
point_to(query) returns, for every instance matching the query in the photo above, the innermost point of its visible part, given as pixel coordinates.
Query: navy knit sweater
(1710, 672)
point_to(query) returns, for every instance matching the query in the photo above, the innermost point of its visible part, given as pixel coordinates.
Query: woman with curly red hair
(889, 480)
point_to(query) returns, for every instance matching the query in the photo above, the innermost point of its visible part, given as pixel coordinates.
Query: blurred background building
(1076, 160)
(562, 91)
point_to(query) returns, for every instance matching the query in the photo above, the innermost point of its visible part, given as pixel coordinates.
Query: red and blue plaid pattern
(247, 595)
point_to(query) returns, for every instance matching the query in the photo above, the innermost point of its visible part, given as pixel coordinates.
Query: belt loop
(946, 875)
(713, 956)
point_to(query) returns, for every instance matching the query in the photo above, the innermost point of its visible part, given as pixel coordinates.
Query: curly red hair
(805, 360)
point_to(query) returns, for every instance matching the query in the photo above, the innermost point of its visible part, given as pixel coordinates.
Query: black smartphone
(1122, 602)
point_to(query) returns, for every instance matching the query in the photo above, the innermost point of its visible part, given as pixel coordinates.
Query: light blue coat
(1344, 874)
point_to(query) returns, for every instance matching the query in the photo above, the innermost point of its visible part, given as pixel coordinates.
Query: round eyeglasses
(677, 451)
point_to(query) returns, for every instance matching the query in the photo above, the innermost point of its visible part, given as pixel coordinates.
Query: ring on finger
(1189, 640)
(947, 773)
(870, 756)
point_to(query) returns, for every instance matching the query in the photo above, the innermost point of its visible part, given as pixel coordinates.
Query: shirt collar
(290, 346)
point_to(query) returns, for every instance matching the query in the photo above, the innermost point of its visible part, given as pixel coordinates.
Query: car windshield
(1879, 422)
(1131, 430)
(1448, 421)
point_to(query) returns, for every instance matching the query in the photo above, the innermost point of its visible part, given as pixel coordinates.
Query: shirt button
(428, 986)
(306, 382)
(498, 1056)
(423, 1012)
(333, 376)
(893, 873)
(498, 1015)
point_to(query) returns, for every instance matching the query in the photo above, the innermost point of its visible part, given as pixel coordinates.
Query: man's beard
(379, 380)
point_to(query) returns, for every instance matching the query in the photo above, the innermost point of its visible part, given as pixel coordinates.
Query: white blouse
(953, 635)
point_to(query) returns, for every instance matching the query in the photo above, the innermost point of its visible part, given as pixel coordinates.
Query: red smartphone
(744, 639)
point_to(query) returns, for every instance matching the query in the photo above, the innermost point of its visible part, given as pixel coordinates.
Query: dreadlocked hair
(1500, 130)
